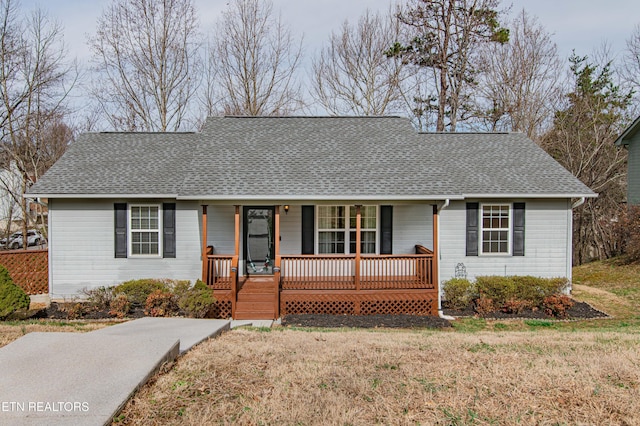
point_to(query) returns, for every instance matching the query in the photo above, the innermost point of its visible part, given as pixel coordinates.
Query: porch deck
(337, 284)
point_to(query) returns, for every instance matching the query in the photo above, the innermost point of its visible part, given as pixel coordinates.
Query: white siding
(547, 231)
(81, 247)
(412, 224)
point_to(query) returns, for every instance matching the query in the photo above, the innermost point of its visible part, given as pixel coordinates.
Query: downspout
(578, 203)
(440, 314)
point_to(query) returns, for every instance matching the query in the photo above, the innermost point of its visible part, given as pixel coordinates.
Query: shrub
(457, 292)
(515, 306)
(99, 297)
(484, 305)
(161, 304)
(498, 289)
(197, 301)
(75, 310)
(627, 233)
(535, 289)
(12, 297)
(119, 306)
(557, 305)
(137, 291)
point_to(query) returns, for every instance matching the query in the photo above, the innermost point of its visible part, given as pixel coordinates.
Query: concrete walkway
(85, 378)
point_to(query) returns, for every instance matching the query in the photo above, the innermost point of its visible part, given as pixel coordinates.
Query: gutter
(440, 313)
(578, 203)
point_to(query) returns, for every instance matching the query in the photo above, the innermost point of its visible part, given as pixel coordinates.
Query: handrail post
(358, 238)
(434, 263)
(276, 267)
(205, 260)
(234, 284)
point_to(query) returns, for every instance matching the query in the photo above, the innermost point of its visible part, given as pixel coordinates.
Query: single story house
(630, 139)
(342, 215)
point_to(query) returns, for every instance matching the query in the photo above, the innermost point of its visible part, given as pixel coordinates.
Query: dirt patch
(365, 321)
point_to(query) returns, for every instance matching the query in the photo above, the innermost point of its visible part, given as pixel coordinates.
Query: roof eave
(98, 196)
(632, 129)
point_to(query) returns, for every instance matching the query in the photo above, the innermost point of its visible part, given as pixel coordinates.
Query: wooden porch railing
(338, 272)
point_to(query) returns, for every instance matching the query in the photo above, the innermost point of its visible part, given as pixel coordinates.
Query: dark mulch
(579, 310)
(66, 311)
(364, 321)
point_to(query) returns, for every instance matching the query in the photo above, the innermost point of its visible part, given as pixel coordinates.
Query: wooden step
(255, 315)
(257, 297)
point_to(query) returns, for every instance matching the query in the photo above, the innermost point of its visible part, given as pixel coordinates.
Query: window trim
(347, 230)
(131, 231)
(481, 230)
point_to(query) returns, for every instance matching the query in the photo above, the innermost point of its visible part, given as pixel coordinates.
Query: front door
(259, 240)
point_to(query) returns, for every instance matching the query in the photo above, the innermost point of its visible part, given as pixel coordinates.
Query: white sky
(575, 24)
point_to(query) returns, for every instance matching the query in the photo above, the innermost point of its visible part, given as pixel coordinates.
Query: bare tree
(581, 139)
(35, 80)
(445, 35)
(519, 84)
(353, 74)
(147, 64)
(253, 61)
(631, 64)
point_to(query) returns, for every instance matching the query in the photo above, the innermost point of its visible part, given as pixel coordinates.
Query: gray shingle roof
(308, 158)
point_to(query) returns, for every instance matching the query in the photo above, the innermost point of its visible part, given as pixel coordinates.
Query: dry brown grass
(377, 377)
(10, 331)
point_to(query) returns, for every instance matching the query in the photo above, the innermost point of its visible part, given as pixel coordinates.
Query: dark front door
(259, 240)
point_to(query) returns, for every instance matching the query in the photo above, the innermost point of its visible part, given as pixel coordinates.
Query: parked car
(34, 238)
(4, 242)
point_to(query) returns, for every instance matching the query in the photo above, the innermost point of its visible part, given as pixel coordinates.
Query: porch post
(436, 255)
(358, 238)
(237, 232)
(205, 260)
(276, 266)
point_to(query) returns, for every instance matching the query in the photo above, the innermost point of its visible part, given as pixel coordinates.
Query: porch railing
(328, 272)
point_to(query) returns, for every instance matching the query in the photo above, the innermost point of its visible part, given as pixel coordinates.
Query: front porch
(339, 284)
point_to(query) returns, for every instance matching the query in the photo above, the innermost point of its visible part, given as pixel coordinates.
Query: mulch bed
(579, 310)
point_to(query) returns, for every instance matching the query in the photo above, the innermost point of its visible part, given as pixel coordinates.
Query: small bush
(161, 304)
(75, 310)
(457, 292)
(627, 233)
(119, 306)
(484, 305)
(557, 305)
(498, 289)
(515, 306)
(196, 302)
(535, 289)
(137, 291)
(99, 297)
(12, 297)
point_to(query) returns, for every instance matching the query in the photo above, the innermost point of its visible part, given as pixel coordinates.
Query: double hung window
(144, 230)
(337, 231)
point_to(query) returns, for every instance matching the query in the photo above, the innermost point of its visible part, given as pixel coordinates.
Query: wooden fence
(29, 269)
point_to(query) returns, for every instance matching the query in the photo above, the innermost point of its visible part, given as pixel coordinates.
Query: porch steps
(257, 299)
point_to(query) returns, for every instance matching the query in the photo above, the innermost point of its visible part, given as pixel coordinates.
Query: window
(332, 229)
(144, 230)
(495, 228)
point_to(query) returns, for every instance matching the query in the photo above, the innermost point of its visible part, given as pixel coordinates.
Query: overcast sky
(575, 24)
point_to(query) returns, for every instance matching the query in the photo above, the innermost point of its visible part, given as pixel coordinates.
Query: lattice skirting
(343, 303)
(222, 308)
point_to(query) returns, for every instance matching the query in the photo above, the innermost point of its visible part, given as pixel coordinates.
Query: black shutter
(472, 229)
(169, 230)
(518, 229)
(386, 229)
(120, 220)
(308, 229)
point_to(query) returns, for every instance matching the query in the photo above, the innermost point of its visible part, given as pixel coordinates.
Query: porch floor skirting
(363, 302)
